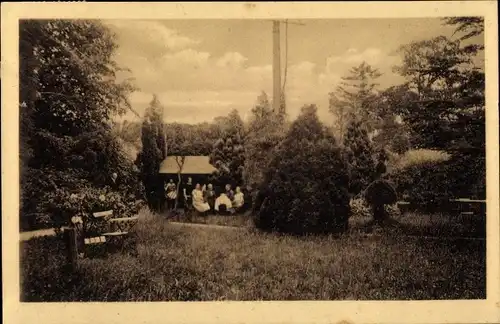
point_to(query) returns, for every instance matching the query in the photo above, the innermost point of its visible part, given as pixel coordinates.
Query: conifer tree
(305, 185)
(359, 155)
(153, 152)
(228, 152)
(265, 132)
(355, 96)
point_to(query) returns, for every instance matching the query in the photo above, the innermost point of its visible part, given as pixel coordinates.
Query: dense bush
(84, 163)
(51, 197)
(306, 184)
(431, 185)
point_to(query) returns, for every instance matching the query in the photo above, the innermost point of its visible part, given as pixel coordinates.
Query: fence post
(72, 247)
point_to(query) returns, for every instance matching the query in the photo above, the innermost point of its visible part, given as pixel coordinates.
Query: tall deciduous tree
(393, 133)
(68, 93)
(74, 55)
(449, 90)
(433, 67)
(445, 108)
(467, 28)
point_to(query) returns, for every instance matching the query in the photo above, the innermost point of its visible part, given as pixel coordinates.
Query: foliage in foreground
(68, 99)
(173, 263)
(305, 190)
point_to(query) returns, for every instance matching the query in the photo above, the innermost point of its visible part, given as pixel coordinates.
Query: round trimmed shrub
(379, 194)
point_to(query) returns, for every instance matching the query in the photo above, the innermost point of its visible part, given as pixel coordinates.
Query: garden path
(25, 236)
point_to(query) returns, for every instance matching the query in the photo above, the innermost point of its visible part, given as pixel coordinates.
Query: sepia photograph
(267, 159)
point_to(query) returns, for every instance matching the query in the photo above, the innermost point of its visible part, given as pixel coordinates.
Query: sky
(201, 69)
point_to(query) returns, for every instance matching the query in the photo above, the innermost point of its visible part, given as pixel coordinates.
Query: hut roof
(192, 165)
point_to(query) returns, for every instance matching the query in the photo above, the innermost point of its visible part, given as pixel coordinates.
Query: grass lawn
(174, 262)
(440, 225)
(411, 223)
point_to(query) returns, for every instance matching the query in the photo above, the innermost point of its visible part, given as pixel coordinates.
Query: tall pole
(164, 127)
(276, 66)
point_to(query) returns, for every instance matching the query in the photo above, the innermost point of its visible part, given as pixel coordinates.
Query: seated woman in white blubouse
(223, 204)
(199, 202)
(238, 200)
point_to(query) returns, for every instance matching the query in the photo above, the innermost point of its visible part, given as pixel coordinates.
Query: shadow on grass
(416, 224)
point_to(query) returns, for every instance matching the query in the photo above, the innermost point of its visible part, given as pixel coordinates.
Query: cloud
(185, 58)
(144, 35)
(196, 105)
(329, 79)
(232, 60)
(303, 67)
(340, 64)
(195, 86)
(354, 56)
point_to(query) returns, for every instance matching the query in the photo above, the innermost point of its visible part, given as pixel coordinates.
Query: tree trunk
(177, 189)
(180, 164)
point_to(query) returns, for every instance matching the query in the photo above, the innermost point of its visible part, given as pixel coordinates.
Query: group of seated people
(205, 199)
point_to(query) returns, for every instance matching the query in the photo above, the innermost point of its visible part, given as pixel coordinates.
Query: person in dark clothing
(229, 192)
(209, 195)
(188, 193)
(261, 196)
(114, 184)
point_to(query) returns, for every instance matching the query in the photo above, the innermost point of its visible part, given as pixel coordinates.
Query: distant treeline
(182, 139)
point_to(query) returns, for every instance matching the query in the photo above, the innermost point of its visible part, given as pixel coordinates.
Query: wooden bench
(104, 219)
(403, 206)
(469, 207)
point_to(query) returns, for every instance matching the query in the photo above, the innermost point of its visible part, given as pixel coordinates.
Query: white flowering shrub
(392, 211)
(68, 207)
(360, 208)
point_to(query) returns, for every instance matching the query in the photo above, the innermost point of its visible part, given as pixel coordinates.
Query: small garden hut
(196, 167)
